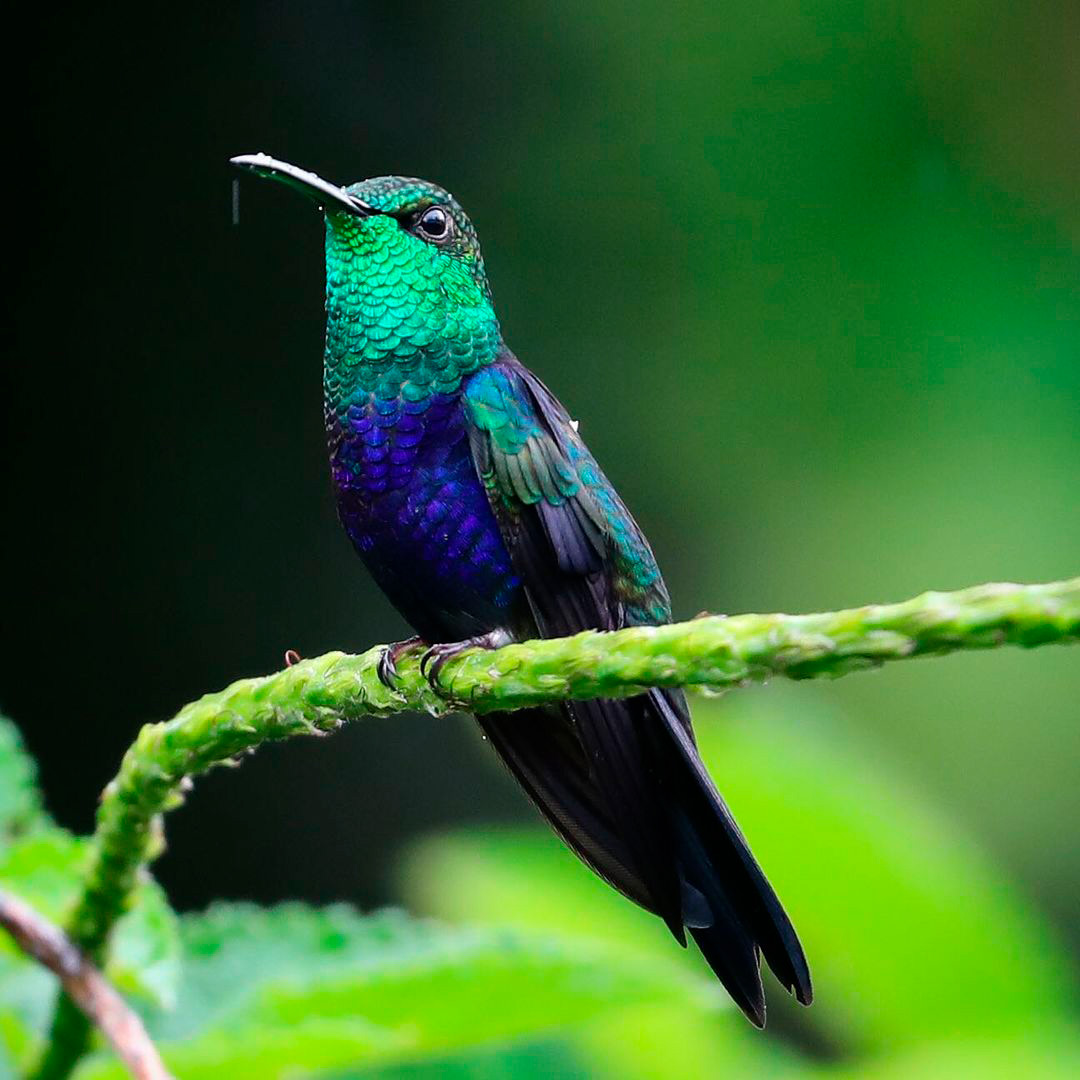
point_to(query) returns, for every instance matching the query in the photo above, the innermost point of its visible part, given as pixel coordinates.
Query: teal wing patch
(547, 492)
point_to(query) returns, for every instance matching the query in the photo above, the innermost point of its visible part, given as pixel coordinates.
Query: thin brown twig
(86, 986)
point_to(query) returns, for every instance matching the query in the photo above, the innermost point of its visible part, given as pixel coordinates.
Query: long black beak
(327, 195)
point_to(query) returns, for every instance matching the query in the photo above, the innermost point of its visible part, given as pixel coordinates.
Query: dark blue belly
(412, 504)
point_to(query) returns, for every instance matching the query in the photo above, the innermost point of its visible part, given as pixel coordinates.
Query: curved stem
(85, 986)
(713, 652)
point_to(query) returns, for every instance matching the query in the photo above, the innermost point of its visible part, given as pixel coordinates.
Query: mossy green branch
(713, 652)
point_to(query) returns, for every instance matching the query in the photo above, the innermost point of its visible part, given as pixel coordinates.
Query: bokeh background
(809, 275)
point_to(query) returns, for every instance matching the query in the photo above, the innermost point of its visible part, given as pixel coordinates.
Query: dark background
(809, 276)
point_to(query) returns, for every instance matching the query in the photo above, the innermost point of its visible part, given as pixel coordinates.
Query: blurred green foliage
(921, 949)
(42, 864)
(928, 960)
(293, 990)
(809, 274)
(830, 348)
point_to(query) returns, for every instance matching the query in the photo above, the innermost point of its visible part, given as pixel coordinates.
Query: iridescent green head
(419, 220)
(408, 304)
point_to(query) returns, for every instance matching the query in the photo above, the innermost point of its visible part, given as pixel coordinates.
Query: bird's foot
(387, 666)
(437, 656)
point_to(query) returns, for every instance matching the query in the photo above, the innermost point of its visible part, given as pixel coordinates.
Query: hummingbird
(469, 494)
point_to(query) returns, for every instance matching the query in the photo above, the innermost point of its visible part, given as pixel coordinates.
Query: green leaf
(7, 1059)
(523, 1060)
(913, 935)
(27, 991)
(527, 879)
(543, 1059)
(1048, 1054)
(657, 1042)
(144, 957)
(292, 990)
(20, 804)
(44, 869)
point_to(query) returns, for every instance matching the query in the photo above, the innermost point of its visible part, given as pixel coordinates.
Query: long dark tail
(623, 784)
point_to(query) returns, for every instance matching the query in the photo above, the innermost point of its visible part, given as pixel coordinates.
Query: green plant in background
(926, 957)
(922, 950)
(239, 991)
(853, 233)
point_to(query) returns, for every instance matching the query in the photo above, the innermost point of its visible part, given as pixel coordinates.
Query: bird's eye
(434, 223)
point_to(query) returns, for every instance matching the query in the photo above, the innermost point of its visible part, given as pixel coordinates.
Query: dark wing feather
(587, 766)
(621, 781)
